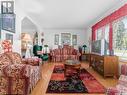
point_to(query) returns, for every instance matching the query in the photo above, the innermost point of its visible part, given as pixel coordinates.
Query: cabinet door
(110, 65)
(100, 65)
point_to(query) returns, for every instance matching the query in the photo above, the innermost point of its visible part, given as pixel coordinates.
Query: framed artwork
(9, 37)
(56, 41)
(65, 38)
(8, 22)
(74, 39)
(7, 7)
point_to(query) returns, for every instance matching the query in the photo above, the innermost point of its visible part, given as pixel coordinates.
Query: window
(103, 33)
(120, 38)
(99, 34)
(7, 7)
(106, 33)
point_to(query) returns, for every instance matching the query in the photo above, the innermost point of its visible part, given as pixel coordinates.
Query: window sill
(123, 60)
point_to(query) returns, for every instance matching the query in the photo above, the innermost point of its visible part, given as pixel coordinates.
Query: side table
(86, 57)
(72, 67)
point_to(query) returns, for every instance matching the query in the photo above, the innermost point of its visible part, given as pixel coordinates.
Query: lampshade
(26, 37)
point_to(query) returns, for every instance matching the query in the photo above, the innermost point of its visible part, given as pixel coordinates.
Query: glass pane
(9, 4)
(4, 6)
(10, 7)
(107, 33)
(120, 38)
(99, 34)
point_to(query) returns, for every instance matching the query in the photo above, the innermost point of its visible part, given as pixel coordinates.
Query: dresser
(104, 65)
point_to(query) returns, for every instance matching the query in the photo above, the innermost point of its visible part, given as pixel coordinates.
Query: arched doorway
(29, 36)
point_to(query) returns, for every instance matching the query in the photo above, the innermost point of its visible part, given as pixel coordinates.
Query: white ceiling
(66, 14)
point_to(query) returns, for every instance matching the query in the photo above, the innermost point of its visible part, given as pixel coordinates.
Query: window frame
(116, 21)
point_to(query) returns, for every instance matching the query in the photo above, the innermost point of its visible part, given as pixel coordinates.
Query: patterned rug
(82, 83)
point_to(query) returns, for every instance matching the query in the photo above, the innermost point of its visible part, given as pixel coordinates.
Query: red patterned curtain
(108, 20)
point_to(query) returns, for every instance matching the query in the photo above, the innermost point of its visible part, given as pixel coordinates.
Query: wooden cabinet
(105, 65)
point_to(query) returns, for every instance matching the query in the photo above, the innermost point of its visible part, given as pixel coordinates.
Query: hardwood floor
(47, 69)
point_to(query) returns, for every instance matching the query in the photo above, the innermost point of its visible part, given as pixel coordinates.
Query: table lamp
(26, 38)
(84, 46)
(26, 45)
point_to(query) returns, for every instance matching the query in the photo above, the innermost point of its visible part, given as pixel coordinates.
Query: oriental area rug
(81, 83)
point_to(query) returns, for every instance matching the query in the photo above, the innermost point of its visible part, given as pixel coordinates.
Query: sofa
(61, 54)
(121, 87)
(17, 76)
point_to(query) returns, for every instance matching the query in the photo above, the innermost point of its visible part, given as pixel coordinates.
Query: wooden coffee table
(72, 65)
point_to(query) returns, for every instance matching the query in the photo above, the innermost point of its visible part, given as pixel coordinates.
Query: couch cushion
(123, 80)
(65, 51)
(15, 57)
(1, 70)
(74, 52)
(17, 70)
(4, 60)
(124, 69)
(112, 91)
(32, 61)
(56, 52)
(121, 88)
(71, 51)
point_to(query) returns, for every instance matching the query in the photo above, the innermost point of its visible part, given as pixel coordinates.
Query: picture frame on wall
(74, 40)
(65, 38)
(9, 37)
(56, 40)
(8, 22)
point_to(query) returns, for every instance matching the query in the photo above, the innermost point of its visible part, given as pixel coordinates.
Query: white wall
(88, 38)
(49, 36)
(17, 36)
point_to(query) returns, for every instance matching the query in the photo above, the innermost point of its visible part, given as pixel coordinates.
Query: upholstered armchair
(37, 51)
(17, 76)
(121, 87)
(61, 54)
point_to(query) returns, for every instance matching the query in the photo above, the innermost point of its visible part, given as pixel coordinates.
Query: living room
(63, 47)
